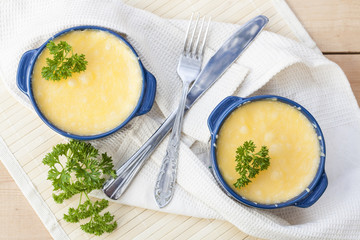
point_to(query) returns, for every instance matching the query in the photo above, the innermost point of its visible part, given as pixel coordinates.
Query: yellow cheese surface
(97, 99)
(294, 150)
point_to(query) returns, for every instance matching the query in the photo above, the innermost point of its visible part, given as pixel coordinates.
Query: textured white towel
(271, 65)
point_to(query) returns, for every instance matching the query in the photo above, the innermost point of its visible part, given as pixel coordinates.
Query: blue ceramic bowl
(24, 76)
(303, 200)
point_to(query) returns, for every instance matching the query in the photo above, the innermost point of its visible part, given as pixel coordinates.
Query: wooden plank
(333, 24)
(350, 65)
(17, 219)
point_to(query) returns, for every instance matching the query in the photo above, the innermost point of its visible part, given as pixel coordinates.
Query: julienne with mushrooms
(92, 88)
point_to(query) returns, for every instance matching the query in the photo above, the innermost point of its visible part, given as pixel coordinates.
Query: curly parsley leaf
(100, 224)
(249, 164)
(61, 66)
(78, 168)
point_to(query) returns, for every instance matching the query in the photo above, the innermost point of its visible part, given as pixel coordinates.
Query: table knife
(215, 67)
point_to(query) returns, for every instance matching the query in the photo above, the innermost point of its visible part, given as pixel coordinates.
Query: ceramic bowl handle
(149, 94)
(23, 72)
(315, 194)
(220, 110)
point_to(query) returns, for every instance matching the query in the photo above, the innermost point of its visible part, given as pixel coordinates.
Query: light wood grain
(17, 219)
(350, 64)
(333, 24)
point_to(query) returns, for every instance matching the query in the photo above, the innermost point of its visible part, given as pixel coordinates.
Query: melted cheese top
(97, 99)
(294, 150)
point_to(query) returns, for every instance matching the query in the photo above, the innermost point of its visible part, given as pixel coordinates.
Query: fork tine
(187, 33)
(195, 50)
(193, 34)
(201, 52)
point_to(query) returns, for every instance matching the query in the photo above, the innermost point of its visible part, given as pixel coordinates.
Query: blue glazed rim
(147, 77)
(305, 199)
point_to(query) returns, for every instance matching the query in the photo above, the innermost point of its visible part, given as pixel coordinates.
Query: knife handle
(114, 188)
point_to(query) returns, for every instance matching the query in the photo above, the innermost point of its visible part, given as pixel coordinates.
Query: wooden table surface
(333, 24)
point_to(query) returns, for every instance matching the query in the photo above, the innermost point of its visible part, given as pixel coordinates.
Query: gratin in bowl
(24, 83)
(306, 198)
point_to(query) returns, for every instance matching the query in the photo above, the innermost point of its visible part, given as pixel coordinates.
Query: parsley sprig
(80, 174)
(249, 164)
(64, 62)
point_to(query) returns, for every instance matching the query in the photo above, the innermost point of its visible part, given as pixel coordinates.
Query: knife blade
(225, 56)
(215, 67)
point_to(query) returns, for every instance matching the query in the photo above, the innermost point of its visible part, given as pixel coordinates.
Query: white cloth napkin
(271, 65)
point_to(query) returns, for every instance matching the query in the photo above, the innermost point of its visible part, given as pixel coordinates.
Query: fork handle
(165, 183)
(115, 187)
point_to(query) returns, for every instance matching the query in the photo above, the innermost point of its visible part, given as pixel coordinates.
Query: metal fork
(188, 69)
